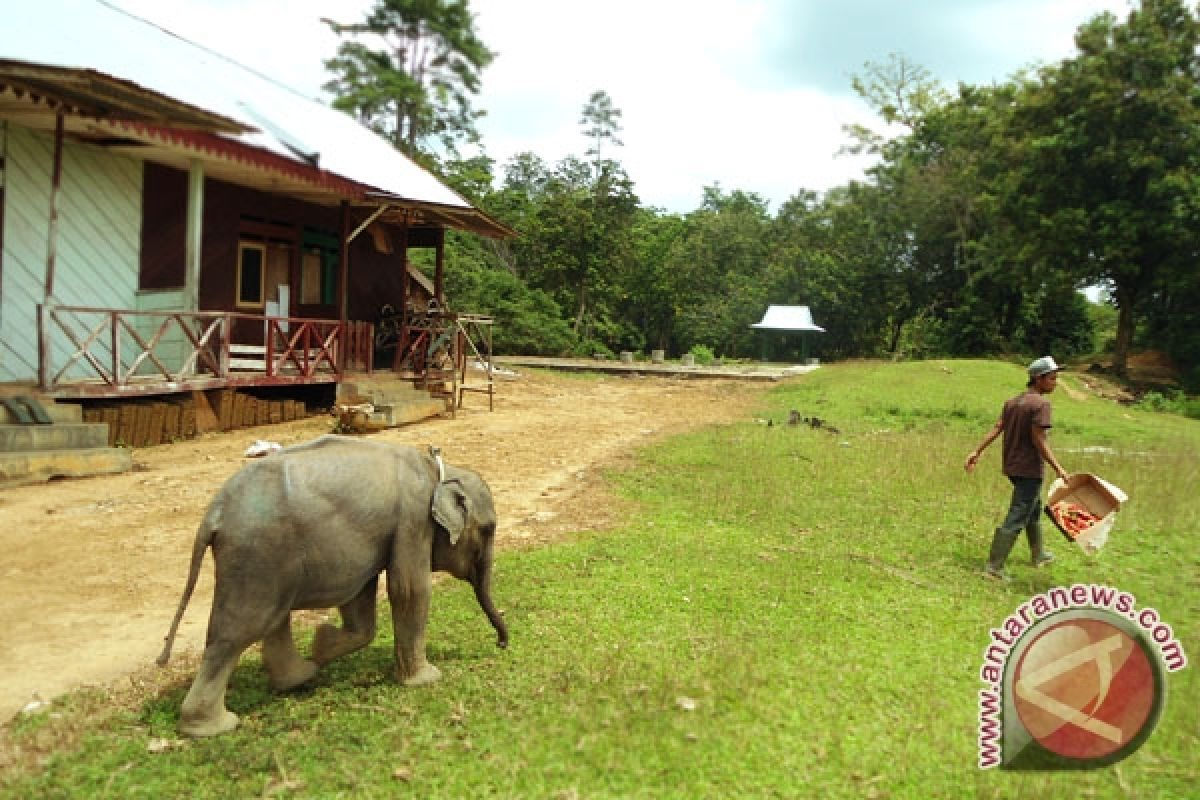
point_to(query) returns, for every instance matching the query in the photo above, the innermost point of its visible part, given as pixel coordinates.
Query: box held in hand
(1084, 509)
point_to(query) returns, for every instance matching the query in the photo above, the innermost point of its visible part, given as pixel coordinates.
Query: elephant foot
(425, 675)
(208, 726)
(298, 674)
(332, 642)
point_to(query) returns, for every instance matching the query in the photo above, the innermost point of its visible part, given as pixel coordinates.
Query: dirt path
(92, 569)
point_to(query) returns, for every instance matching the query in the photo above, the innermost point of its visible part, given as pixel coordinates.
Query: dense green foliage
(988, 210)
(783, 613)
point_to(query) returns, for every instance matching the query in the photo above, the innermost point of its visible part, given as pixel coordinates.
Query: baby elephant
(312, 526)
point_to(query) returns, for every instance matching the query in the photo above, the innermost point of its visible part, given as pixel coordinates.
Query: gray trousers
(1025, 508)
(1024, 512)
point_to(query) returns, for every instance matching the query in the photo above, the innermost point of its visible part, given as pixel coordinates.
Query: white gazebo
(790, 319)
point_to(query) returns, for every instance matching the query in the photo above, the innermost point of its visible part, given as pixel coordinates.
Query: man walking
(1024, 421)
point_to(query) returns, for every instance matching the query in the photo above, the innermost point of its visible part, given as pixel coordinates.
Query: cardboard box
(1093, 493)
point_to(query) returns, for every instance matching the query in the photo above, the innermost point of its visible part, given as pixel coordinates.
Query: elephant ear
(451, 508)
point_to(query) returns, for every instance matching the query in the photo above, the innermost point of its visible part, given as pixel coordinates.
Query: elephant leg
(409, 595)
(286, 669)
(204, 712)
(238, 619)
(357, 631)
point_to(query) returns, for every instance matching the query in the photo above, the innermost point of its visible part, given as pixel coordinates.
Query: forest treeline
(988, 210)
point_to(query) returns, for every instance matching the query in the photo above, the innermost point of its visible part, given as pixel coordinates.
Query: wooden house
(173, 221)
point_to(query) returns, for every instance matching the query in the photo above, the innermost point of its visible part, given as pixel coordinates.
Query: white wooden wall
(173, 347)
(99, 235)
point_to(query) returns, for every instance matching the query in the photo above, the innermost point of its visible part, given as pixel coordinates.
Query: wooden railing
(119, 349)
(438, 348)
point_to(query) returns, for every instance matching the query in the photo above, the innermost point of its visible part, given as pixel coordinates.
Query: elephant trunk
(483, 593)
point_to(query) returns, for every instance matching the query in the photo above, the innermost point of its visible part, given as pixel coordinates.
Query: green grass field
(784, 612)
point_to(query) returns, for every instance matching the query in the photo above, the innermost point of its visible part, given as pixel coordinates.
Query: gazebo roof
(788, 318)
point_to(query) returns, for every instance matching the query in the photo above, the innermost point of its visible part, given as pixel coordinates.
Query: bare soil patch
(93, 568)
(1147, 371)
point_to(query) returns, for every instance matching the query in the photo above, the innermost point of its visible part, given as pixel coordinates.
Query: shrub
(591, 347)
(702, 353)
(1173, 402)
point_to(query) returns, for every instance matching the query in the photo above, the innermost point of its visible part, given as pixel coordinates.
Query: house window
(251, 274)
(319, 267)
(318, 277)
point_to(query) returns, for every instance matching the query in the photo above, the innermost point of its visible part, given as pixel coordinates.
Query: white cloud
(752, 94)
(677, 71)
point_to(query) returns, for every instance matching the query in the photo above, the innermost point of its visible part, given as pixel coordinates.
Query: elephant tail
(204, 538)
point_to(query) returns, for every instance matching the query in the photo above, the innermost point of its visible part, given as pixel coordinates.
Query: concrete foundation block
(65, 436)
(17, 469)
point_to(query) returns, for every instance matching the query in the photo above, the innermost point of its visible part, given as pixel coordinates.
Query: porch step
(396, 415)
(396, 401)
(42, 439)
(56, 436)
(17, 469)
(253, 358)
(58, 412)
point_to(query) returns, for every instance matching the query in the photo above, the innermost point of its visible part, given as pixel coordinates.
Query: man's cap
(1043, 365)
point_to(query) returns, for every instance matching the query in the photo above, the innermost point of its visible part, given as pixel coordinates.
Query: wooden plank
(111, 416)
(248, 411)
(248, 364)
(156, 413)
(276, 412)
(205, 409)
(141, 424)
(237, 418)
(248, 357)
(172, 416)
(187, 422)
(228, 411)
(127, 414)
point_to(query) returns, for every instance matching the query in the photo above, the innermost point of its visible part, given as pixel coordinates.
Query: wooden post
(194, 235)
(404, 269)
(43, 333)
(114, 330)
(344, 276)
(439, 269)
(52, 232)
(344, 282)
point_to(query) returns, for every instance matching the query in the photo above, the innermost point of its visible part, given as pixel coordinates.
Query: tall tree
(901, 92)
(586, 226)
(408, 70)
(717, 269)
(601, 122)
(913, 208)
(1105, 181)
(578, 242)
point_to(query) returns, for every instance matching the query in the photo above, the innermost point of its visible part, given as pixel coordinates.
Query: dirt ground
(92, 569)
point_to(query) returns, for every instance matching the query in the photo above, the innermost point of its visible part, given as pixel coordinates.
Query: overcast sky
(750, 94)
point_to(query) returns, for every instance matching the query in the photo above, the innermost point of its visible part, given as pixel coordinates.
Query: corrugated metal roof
(88, 35)
(788, 318)
(94, 94)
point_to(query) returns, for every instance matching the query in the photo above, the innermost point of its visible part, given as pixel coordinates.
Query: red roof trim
(465, 218)
(213, 145)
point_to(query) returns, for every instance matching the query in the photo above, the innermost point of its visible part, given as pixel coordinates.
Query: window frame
(261, 247)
